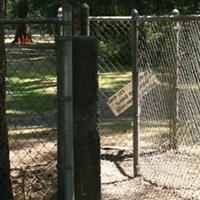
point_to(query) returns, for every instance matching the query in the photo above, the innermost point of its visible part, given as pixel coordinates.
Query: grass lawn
(114, 80)
(30, 85)
(31, 90)
(31, 82)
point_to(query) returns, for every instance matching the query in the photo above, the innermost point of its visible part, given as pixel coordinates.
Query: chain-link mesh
(169, 113)
(114, 48)
(169, 87)
(31, 110)
(169, 97)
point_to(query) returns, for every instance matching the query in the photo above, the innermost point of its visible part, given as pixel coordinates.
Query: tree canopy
(104, 7)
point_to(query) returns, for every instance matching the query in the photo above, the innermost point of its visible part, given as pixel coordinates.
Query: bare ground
(35, 178)
(117, 183)
(166, 175)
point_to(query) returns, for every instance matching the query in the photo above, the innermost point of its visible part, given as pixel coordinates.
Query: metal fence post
(135, 81)
(175, 70)
(85, 19)
(65, 110)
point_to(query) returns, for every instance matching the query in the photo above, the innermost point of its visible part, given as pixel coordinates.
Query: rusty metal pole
(135, 86)
(175, 70)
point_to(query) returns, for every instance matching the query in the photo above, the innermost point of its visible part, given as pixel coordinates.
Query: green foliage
(148, 7)
(105, 7)
(35, 8)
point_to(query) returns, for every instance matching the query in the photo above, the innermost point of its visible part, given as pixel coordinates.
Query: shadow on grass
(29, 87)
(30, 70)
(28, 138)
(30, 104)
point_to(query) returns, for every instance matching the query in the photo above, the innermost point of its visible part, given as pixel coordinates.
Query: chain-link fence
(168, 61)
(169, 116)
(31, 108)
(114, 48)
(169, 121)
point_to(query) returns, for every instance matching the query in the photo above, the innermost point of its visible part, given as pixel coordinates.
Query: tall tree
(21, 34)
(5, 182)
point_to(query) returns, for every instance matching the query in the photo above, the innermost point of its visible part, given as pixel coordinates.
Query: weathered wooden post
(78, 137)
(86, 135)
(86, 139)
(84, 20)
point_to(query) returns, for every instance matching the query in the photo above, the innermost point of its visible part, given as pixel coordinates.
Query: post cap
(60, 12)
(175, 11)
(84, 5)
(135, 12)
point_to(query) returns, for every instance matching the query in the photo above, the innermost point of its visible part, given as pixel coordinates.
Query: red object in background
(24, 39)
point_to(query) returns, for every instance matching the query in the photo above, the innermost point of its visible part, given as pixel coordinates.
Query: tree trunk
(5, 182)
(21, 35)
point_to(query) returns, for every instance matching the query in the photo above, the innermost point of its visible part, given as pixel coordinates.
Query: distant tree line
(102, 7)
(48, 8)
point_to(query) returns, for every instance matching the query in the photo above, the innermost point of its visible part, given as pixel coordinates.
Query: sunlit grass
(113, 80)
(30, 84)
(23, 86)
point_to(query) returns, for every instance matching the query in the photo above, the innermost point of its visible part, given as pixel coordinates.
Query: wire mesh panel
(169, 112)
(31, 109)
(114, 46)
(168, 107)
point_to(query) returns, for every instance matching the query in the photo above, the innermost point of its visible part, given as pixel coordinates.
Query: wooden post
(85, 19)
(86, 135)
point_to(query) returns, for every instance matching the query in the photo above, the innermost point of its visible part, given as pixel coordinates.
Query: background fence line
(169, 119)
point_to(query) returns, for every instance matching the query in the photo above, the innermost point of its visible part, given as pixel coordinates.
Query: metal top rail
(33, 21)
(169, 18)
(110, 18)
(142, 18)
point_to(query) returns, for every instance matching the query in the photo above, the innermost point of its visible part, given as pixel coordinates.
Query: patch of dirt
(117, 183)
(166, 175)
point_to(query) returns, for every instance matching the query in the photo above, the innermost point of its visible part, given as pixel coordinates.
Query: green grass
(30, 86)
(31, 83)
(113, 80)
